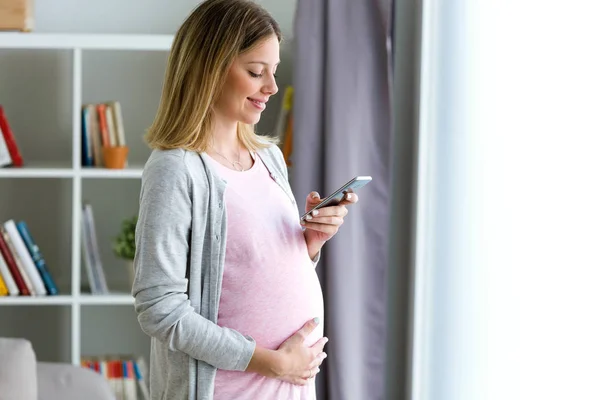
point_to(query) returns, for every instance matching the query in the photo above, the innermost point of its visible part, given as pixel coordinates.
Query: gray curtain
(342, 128)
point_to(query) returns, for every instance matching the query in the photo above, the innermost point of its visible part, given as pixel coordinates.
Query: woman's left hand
(322, 224)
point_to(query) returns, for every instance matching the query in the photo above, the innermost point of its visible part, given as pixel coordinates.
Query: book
(104, 134)
(110, 124)
(3, 288)
(9, 280)
(87, 154)
(91, 250)
(9, 139)
(118, 122)
(121, 373)
(5, 159)
(141, 374)
(11, 264)
(92, 128)
(12, 258)
(38, 259)
(88, 256)
(23, 254)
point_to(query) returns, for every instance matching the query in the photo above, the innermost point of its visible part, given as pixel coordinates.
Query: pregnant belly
(270, 303)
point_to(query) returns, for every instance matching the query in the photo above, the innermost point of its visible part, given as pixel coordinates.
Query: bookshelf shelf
(39, 170)
(132, 172)
(51, 172)
(67, 300)
(69, 65)
(24, 40)
(110, 299)
(60, 300)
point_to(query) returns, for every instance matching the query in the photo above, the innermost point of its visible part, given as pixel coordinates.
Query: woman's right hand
(301, 362)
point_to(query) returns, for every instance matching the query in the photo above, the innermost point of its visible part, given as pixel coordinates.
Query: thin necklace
(236, 164)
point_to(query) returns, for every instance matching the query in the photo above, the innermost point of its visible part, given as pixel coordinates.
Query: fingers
(350, 198)
(327, 229)
(311, 373)
(307, 328)
(318, 360)
(312, 200)
(331, 211)
(317, 348)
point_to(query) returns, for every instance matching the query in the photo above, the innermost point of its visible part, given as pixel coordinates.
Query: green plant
(124, 243)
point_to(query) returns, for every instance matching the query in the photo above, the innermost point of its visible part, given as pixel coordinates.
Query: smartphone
(336, 197)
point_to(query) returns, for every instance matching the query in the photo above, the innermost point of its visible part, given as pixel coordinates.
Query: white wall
(35, 90)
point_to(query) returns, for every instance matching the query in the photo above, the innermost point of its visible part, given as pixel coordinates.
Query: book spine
(37, 257)
(11, 262)
(9, 280)
(118, 116)
(97, 266)
(104, 135)
(140, 375)
(110, 125)
(9, 138)
(26, 259)
(86, 142)
(88, 254)
(3, 288)
(5, 159)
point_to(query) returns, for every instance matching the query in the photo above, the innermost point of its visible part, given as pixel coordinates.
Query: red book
(12, 266)
(101, 108)
(9, 138)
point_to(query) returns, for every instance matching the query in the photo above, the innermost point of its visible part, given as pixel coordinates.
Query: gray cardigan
(180, 252)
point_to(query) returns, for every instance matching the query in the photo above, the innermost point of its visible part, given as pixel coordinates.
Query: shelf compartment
(100, 335)
(47, 328)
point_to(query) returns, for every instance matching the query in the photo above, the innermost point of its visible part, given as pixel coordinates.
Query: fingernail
(302, 222)
(316, 320)
(309, 217)
(315, 195)
(349, 196)
(315, 213)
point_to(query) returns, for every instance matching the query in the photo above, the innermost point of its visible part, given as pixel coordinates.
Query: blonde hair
(204, 48)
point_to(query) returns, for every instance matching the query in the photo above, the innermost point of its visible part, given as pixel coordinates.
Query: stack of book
(91, 252)
(122, 373)
(9, 151)
(285, 124)
(101, 126)
(23, 270)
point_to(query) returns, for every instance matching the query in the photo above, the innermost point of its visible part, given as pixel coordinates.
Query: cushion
(71, 382)
(18, 373)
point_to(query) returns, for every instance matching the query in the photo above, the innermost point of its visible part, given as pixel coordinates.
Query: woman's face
(249, 83)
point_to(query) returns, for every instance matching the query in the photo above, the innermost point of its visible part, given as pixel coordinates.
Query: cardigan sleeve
(161, 261)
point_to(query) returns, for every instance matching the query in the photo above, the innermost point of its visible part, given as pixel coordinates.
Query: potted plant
(124, 244)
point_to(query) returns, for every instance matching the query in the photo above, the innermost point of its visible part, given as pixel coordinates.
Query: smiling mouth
(260, 104)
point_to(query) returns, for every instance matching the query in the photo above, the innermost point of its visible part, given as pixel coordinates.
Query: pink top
(270, 286)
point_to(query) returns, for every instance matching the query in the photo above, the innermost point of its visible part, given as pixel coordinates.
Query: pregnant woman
(225, 282)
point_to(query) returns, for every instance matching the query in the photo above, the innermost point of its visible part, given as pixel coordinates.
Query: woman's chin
(250, 119)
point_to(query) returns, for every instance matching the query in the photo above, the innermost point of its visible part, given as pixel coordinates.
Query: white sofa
(22, 377)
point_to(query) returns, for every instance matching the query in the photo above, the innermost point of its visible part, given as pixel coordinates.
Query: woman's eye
(252, 74)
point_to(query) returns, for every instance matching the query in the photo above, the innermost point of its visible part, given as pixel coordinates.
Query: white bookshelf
(78, 46)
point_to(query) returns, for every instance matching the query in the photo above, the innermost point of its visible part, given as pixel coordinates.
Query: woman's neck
(225, 138)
